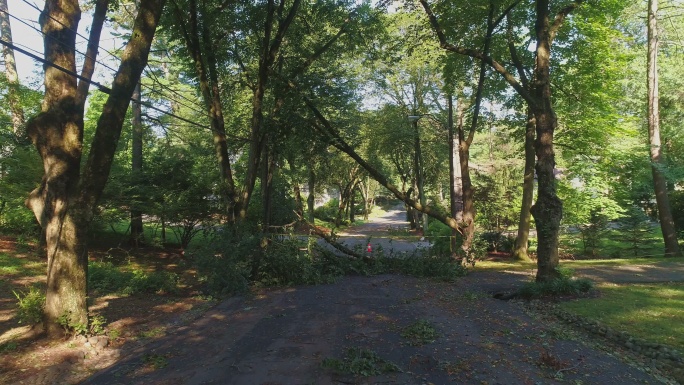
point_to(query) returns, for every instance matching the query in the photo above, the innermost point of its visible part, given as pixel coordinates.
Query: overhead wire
(101, 87)
(58, 41)
(112, 69)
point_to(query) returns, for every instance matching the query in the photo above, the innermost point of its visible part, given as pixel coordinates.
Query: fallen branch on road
(330, 239)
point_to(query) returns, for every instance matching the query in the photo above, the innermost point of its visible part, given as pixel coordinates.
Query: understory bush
(327, 212)
(30, 306)
(497, 241)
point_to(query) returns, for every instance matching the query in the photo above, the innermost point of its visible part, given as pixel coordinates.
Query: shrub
(440, 236)
(497, 241)
(563, 285)
(96, 325)
(327, 212)
(223, 263)
(30, 305)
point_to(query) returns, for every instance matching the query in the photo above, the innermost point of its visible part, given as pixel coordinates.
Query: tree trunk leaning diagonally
(659, 181)
(11, 74)
(65, 200)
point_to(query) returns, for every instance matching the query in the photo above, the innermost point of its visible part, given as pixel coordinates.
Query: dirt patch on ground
(132, 321)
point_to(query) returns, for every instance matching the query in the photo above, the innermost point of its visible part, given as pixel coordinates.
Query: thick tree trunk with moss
(520, 250)
(65, 200)
(659, 181)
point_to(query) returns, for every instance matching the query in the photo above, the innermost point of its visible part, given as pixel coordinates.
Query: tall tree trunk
(299, 204)
(548, 210)
(455, 177)
(198, 41)
(64, 201)
(267, 169)
(352, 202)
(136, 168)
(520, 250)
(420, 219)
(468, 218)
(311, 199)
(659, 181)
(11, 74)
(466, 141)
(269, 50)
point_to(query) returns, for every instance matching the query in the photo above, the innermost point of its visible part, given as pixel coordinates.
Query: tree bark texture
(421, 222)
(65, 200)
(659, 181)
(311, 199)
(136, 166)
(548, 209)
(16, 110)
(520, 250)
(455, 177)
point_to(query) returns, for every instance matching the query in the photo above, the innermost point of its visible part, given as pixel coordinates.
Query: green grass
(420, 333)
(361, 363)
(12, 265)
(653, 312)
(525, 266)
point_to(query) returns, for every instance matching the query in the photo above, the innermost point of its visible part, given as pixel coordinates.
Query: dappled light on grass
(654, 312)
(504, 265)
(622, 261)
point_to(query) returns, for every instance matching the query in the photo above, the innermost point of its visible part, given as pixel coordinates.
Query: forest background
(243, 113)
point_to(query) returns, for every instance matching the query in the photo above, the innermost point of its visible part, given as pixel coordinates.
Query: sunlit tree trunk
(659, 181)
(11, 73)
(455, 179)
(66, 198)
(521, 241)
(548, 210)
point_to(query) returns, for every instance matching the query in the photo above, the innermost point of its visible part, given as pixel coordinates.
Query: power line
(55, 20)
(99, 86)
(102, 64)
(157, 82)
(58, 41)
